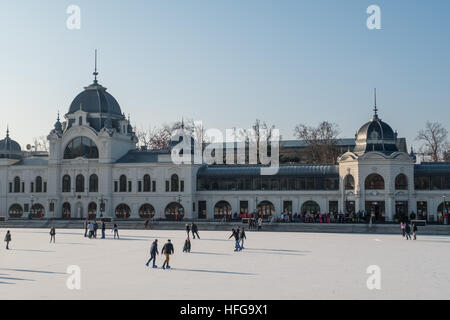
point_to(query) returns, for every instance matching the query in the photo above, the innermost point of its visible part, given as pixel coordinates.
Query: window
(174, 183)
(222, 209)
(32, 187)
(16, 185)
(93, 183)
(182, 186)
(45, 186)
(401, 182)
(130, 186)
(81, 147)
(154, 186)
(38, 184)
(167, 186)
(374, 182)
(147, 183)
(123, 183)
(80, 121)
(79, 183)
(116, 186)
(349, 182)
(66, 183)
(139, 186)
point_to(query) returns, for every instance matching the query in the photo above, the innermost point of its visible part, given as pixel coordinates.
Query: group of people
(239, 237)
(167, 251)
(91, 228)
(406, 230)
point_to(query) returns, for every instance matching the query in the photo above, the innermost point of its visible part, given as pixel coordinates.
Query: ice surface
(273, 266)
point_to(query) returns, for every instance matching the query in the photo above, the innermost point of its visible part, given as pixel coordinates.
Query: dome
(95, 99)
(9, 148)
(376, 135)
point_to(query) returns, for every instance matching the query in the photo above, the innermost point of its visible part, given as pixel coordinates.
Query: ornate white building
(94, 168)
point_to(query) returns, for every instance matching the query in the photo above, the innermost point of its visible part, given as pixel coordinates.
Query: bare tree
(41, 144)
(321, 141)
(434, 139)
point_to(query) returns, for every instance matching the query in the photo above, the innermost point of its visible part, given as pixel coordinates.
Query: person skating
(194, 229)
(235, 234)
(188, 229)
(116, 231)
(86, 225)
(91, 230)
(402, 226)
(414, 229)
(52, 234)
(408, 231)
(153, 253)
(242, 236)
(103, 229)
(7, 239)
(259, 224)
(187, 245)
(95, 229)
(167, 250)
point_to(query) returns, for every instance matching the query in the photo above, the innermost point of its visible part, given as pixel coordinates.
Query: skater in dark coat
(86, 225)
(103, 229)
(116, 231)
(153, 253)
(52, 234)
(167, 250)
(7, 239)
(235, 234)
(95, 229)
(242, 236)
(414, 229)
(187, 245)
(188, 229)
(194, 230)
(408, 231)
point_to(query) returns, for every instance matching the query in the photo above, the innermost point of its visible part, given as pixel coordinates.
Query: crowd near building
(94, 168)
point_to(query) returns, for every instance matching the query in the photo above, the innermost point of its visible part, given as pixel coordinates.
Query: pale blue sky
(228, 62)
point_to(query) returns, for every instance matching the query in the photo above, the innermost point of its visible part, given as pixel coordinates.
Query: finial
(128, 118)
(375, 109)
(57, 118)
(7, 131)
(95, 72)
(182, 123)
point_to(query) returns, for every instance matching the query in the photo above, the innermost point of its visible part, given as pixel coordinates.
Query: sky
(227, 63)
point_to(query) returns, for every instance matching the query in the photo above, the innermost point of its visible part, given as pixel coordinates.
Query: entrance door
(376, 207)
(401, 210)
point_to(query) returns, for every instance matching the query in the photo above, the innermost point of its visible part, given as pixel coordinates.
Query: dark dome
(95, 99)
(376, 135)
(9, 148)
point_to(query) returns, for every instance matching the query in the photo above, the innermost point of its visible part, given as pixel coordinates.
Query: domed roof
(95, 99)
(9, 148)
(376, 135)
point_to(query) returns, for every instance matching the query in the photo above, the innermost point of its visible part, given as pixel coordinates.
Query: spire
(182, 123)
(375, 108)
(7, 131)
(95, 71)
(57, 118)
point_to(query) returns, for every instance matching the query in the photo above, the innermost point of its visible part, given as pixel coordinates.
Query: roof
(236, 171)
(95, 99)
(141, 156)
(33, 161)
(432, 168)
(302, 143)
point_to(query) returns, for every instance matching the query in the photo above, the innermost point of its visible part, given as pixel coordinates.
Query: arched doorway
(66, 214)
(443, 211)
(310, 207)
(173, 210)
(123, 211)
(222, 209)
(266, 209)
(146, 211)
(15, 211)
(37, 211)
(92, 211)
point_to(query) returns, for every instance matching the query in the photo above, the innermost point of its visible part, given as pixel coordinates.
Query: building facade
(93, 168)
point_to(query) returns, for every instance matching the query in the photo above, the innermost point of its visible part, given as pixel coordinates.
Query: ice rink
(273, 266)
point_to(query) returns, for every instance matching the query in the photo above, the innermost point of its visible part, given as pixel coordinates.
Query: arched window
(93, 183)
(222, 209)
(174, 183)
(38, 184)
(401, 182)
(37, 211)
(66, 210)
(79, 183)
(146, 211)
(349, 182)
(16, 211)
(266, 209)
(310, 207)
(123, 211)
(81, 147)
(80, 121)
(374, 182)
(147, 183)
(16, 185)
(173, 210)
(123, 183)
(92, 210)
(66, 183)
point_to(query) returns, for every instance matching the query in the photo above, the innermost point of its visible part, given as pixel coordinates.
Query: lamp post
(32, 204)
(444, 210)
